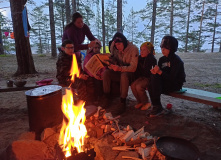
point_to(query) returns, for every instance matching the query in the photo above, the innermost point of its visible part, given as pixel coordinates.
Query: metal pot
(177, 149)
(44, 108)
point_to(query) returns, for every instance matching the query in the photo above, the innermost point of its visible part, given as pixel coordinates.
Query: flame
(73, 130)
(74, 68)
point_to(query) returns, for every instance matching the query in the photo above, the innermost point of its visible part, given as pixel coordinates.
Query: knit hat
(119, 37)
(169, 42)
(149, 46)
(97, 42)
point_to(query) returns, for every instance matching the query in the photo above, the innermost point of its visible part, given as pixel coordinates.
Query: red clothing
(77, 35)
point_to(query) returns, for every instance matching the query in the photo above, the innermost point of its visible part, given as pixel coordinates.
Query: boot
(156, 111)
(106, 101)
(121, 107)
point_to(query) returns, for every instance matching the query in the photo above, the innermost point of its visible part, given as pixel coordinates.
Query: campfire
(73, 131)
(82, 137)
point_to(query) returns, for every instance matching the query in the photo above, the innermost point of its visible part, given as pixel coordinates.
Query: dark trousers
(160, 86)
(123, 77)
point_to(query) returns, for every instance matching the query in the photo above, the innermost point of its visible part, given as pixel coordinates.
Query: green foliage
(42, 55)
(40, 32)
(215, 85)
(5, 55)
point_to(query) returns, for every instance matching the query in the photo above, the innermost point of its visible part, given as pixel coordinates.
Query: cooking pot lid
(177, 148)
(40, 91)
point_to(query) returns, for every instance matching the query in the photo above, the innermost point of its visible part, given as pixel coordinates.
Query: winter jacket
(63, 64)
(144, 66)
(77, 35)
(172, 70)
(128, 60)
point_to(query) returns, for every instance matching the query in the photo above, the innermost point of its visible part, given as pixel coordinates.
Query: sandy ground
(199, 123)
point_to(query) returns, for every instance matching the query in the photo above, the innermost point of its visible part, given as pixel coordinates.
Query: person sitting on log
(146, 61)
(125, 56)
(168, 76)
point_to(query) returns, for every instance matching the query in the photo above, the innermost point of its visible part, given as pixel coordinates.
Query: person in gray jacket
(125, 58)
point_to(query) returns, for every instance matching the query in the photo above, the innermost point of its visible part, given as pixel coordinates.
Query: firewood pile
(102, 124)
(125, 142)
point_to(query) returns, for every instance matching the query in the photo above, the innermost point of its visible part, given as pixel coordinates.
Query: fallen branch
(127, 157)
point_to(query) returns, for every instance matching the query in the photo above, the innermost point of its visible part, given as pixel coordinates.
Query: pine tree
(212, 23)
(22, 44)
(131, 27)
(52, 28)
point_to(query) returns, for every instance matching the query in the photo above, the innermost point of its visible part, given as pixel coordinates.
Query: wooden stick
(99, 124)
(127, 157)
(137, 141)
(105, 134)
(155, 151)
(117, 125)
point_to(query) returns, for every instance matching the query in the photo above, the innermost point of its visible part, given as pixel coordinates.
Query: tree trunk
(153, 21)
(22, 44)
(132, 19)
(1, 42)
(171, 19)
(214, 31)
(103, 27)
(119, 16)
(39, 37)
(68, 11)
(187, 27)
(220, 46)
(74, 8)
(201, 21)
(52, 27)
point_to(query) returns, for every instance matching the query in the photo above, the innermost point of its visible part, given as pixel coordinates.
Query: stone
(128, 154)
(29, 150)
(103, 149)
(27, 136)
(47, 133)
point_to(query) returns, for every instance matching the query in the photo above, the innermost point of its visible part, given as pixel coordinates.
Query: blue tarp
(25, 21)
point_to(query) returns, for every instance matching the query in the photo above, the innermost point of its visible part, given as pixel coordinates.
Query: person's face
(97, 48)
(144, 51)
(119, 46)
(165, 52)
(68, 49)
(79, 23)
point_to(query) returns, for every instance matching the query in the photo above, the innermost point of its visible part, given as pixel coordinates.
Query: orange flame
(74, 68)
(73, 130)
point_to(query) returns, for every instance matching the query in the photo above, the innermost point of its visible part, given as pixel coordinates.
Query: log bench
(200, 96)
(195, 95)
(26, 87)
(14, 88)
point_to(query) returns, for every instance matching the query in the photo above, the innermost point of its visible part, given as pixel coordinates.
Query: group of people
(126, 66)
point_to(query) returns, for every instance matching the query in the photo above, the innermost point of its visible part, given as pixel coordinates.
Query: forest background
(196, 23)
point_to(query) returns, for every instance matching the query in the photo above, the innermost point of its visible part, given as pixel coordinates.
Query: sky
(5, 9)
(130, 3)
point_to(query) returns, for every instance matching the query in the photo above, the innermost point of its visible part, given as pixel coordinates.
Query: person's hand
(112, 46)
(83, 76)
(91, 44)
(156, 70)
(114, 67)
